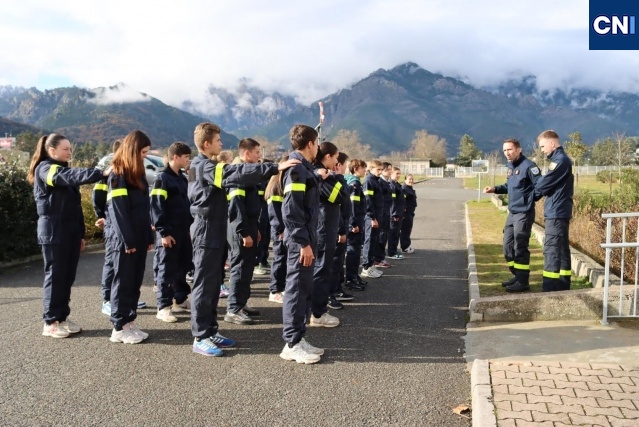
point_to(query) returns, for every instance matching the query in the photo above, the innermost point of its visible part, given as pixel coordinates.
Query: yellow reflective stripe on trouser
(511, 263)
(101, 187)
(219, 171)
(369, 192)
(335, 192)
(356, 198)
(237, 192)
(551, 275)
(394, 195)
(294, 187)
(521, 266)
(117, 193)
(51, 174)
(565, 272)
(275, 199)
(159, 192)
(260, 192)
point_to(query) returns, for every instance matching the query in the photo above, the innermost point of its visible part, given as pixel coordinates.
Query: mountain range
(386, 108)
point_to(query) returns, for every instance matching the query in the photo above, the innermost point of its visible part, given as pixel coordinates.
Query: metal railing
(627, 307)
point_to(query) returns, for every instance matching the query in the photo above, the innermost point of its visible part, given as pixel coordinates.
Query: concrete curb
(26, 260)
(483, 409)
(473, 280)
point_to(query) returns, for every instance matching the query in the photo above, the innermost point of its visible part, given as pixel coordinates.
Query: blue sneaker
(106, 308)
(141, 304)
(207, 347)
(222, 342)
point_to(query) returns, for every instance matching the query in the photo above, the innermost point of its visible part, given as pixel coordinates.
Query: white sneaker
(371, 272)
(71, 327)
(54, 330)
(277, 297)
(165, 315)
(138, 331)
(126, 335)
(408, 250)
(311, 349)
(181, 308)
(299, 354)
(325, 320)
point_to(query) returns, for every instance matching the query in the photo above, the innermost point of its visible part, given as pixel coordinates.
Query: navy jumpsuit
(60, 230)
(396, 216)
(409, 215)
(300, 212)
(384, 222)
(209, 207)
(374, 211)
(278, 267)
(346, 208)
(354, 240)
(171, 216)
(558, 187)
(99, 200)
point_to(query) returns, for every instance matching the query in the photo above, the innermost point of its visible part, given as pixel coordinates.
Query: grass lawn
(583, 182)
(487, 224)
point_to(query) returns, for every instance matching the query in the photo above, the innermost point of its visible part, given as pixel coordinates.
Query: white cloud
(308, 49)
(118, 94)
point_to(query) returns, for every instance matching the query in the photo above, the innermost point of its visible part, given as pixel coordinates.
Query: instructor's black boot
(509, 282)
(517, 287)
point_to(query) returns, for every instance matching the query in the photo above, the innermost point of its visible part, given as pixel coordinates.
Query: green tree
(27, 141)
(603, 153)
(468, 151)
(576, 149)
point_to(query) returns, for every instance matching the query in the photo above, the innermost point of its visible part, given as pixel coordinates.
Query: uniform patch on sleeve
(534, 171)
(552, 166)
(510, 172)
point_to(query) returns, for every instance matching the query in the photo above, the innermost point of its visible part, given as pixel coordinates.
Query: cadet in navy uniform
(243, 237)
(374, 215)
(171, 217)
(558, 187)
(209, 207)
(274, 194)
(261, 253)
(130, 234)
(331, 198)
(355, 236)
(522, 175)
(397, 214)
(60, 226)
(409, 214)
(384, 224)
(300, 212)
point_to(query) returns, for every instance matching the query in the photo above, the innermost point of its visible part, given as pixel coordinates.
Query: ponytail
(41, 153)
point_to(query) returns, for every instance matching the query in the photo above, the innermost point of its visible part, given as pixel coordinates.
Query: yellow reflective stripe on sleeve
(159, 192)
(521, 266)
(551, 275)
(219, 171)
(294, 187)
(335, 192)
(369, 192)
(260, 192)
(275, 199)
(51, 174)
(117, 193)
(394, 195)
(511, 263)
(356, 198)
(228, 197)
(237, 192)
(101, 187)
(565, 272)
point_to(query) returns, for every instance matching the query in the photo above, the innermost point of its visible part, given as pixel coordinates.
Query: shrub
(607, 176)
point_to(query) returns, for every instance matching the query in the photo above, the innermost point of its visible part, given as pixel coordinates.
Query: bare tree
(625, 153)
(425, 146)
(494, 158)
(349, 142)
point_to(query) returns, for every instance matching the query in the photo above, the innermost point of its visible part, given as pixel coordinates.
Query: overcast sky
(173, 51)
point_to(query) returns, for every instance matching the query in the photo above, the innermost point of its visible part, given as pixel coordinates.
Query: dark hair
(42, 152)
(205, 132)
(301, 135)
(178, 149)
(386, 165)
(513, 141)
(127, 161)
(341, 158)
(354, 164)
(247, 144)
(274, 186)
(326, 148)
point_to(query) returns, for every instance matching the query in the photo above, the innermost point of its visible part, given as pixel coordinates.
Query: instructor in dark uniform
(522, 175)
(558, 187)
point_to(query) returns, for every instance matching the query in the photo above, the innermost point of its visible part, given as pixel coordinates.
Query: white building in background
(414, 166)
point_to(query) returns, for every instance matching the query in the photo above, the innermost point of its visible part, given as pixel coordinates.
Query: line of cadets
(319, 219)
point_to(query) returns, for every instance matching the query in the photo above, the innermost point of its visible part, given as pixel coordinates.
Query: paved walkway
(396, 359)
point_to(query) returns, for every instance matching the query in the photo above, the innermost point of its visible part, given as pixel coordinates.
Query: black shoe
(361, 281)
(517, 287)
(352, 285)
(334, 304)
(509, 282)
(343, 296)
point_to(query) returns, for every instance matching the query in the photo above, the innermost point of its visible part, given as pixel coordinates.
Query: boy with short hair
(384, 185)
(355, 235)
(171, 217)
(207, 182)
(374, 215)
(396, 214)
(409, 214)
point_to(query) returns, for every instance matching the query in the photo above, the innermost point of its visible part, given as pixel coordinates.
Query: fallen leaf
(462, 409)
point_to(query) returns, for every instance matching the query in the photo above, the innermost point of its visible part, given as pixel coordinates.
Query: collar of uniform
(168, 169)
(518, 161)
(298, 156)
(558, 152)
(57, 162)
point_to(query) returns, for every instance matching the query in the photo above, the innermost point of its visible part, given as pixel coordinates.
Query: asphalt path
(396, 359)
